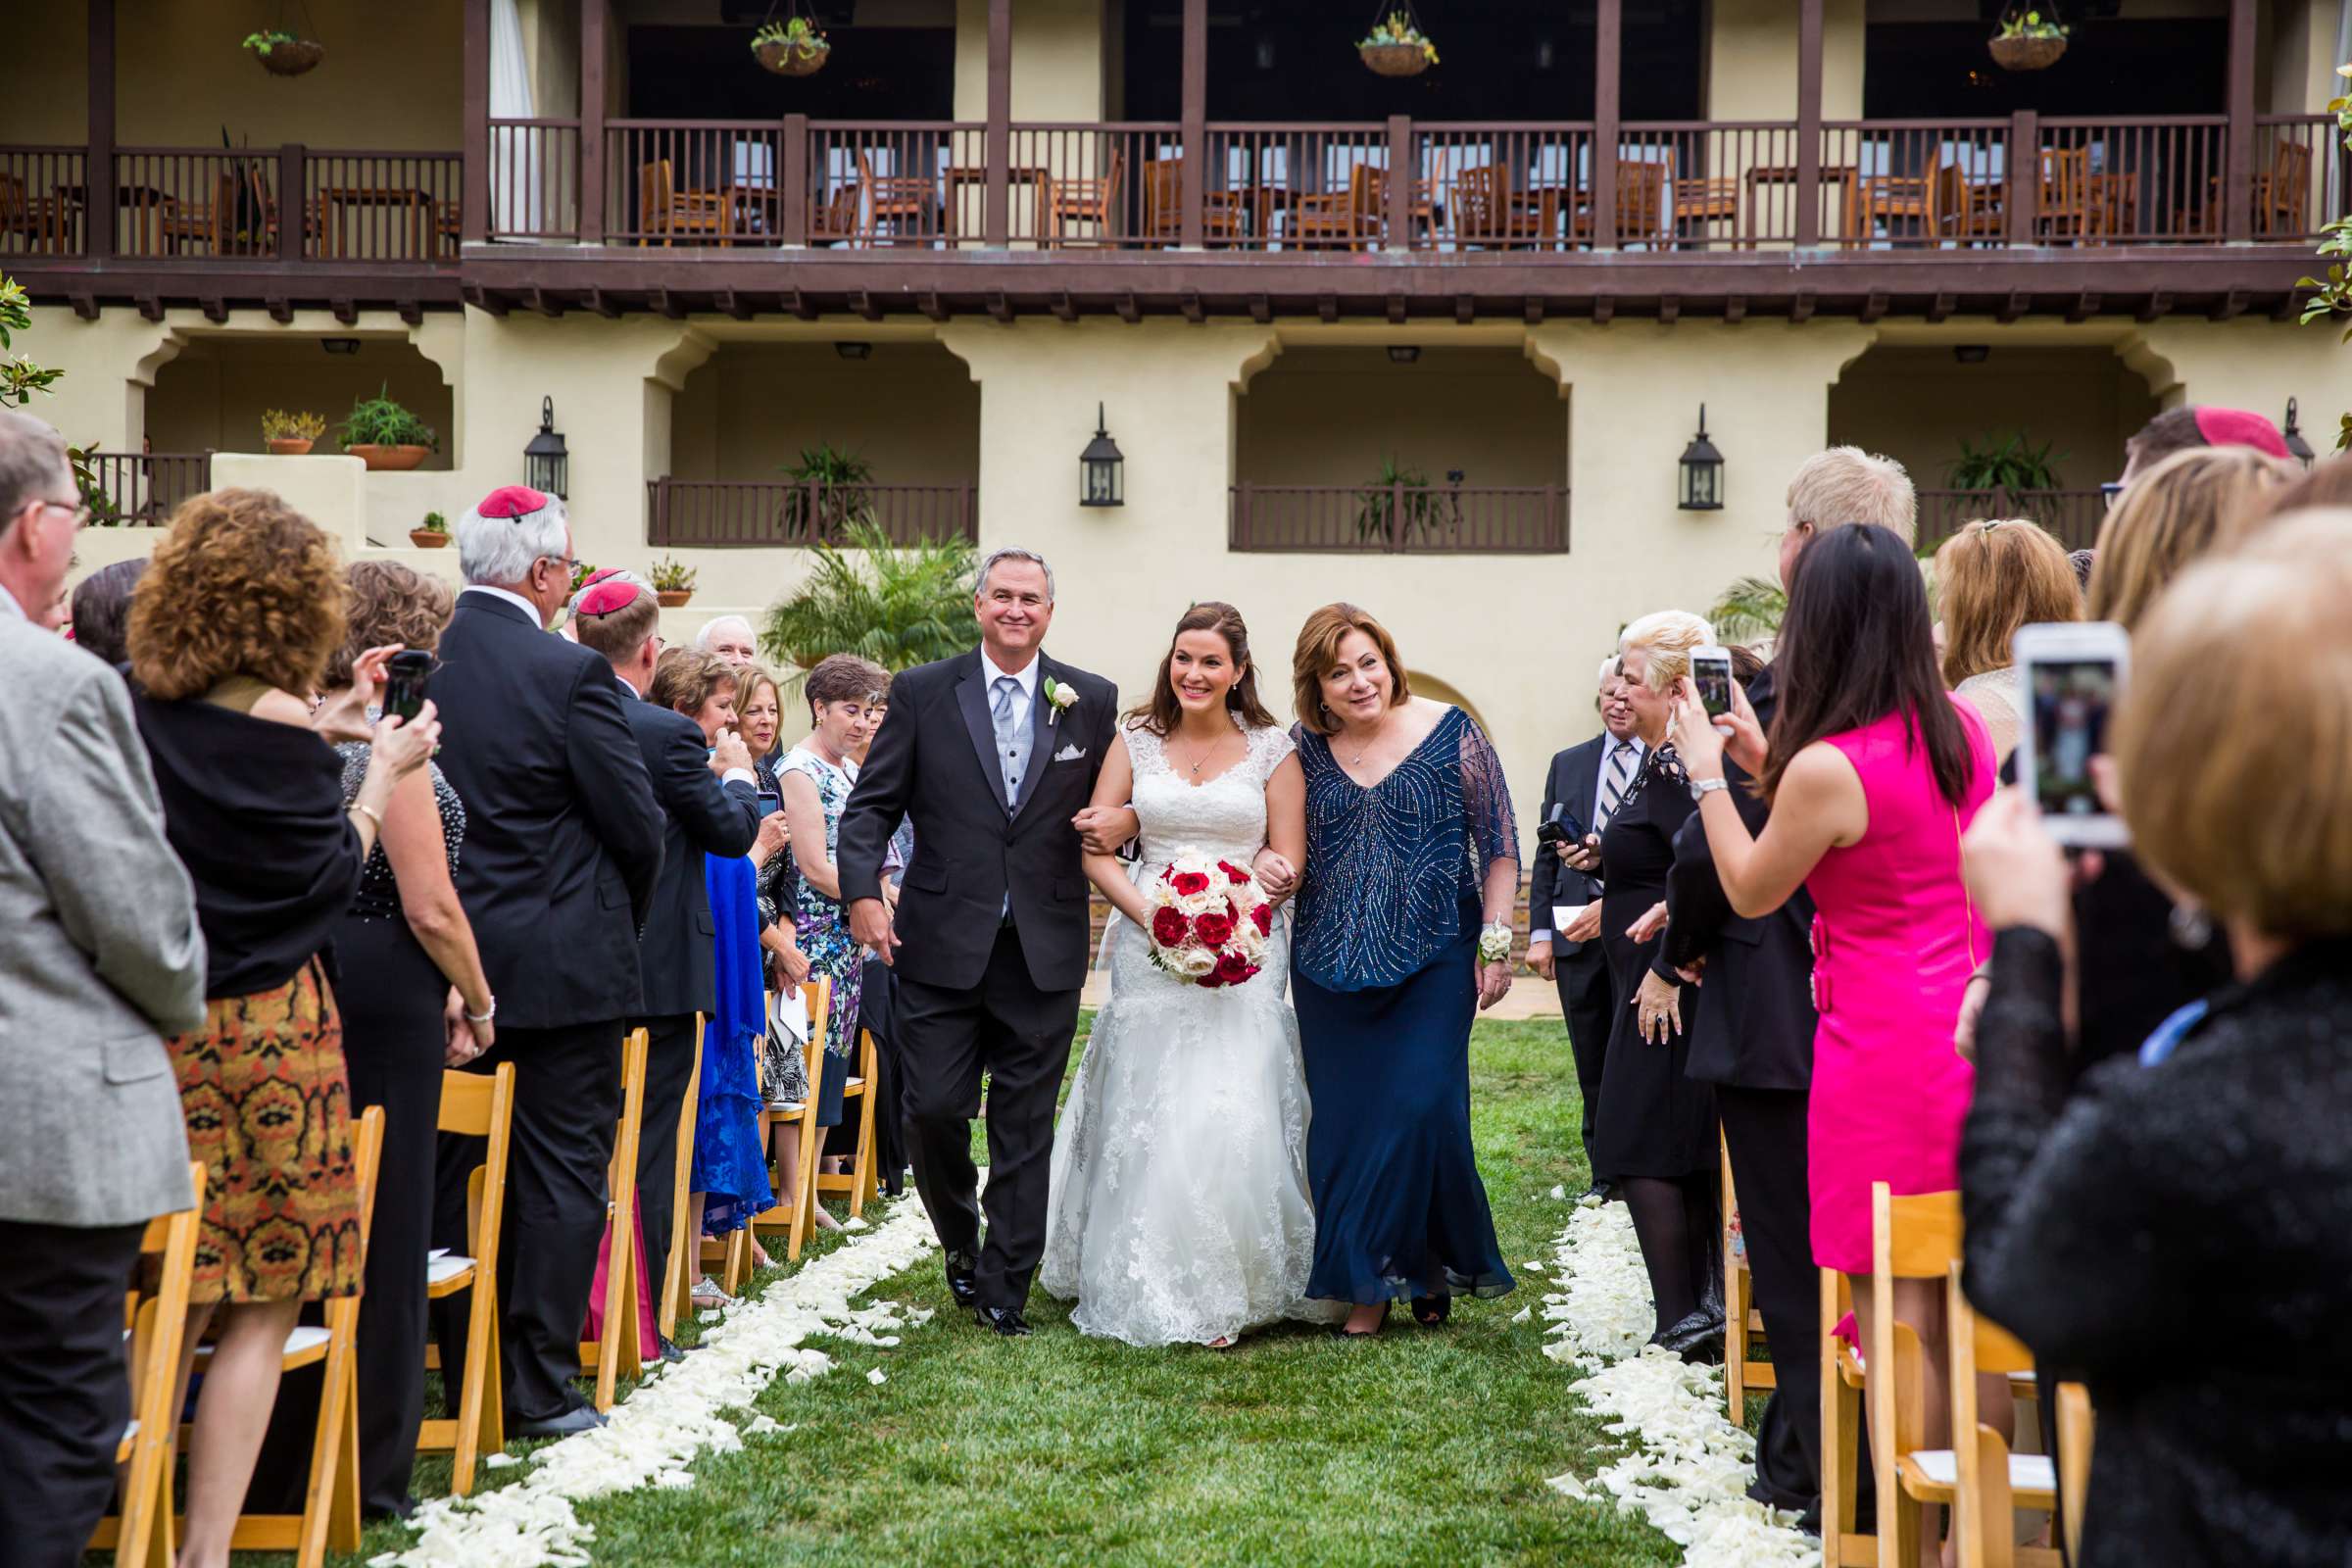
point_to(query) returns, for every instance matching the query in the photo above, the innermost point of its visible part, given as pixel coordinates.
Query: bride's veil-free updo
(1160, 714)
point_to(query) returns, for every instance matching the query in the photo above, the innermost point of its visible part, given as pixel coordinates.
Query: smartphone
(405, 675)
(1711, 676)
(2070, 676)
(770, 802)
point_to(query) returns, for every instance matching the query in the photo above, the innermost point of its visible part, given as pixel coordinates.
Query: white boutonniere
(1057, 697)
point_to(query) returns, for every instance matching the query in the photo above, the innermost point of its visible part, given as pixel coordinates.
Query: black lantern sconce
(1102, 470)
(1702, 471)
(546, 463)
(2296, 447)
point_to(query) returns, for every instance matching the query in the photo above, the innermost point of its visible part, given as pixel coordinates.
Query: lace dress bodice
(1225, 816)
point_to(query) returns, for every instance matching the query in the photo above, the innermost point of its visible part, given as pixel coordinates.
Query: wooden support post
(98, 163)
(2237, 153)
(1809, 123)
(1398, 218)
(997, 219)
(792, 180)
(474, 210)
(593, 13)
(2022, 197)
(1608, 46)
(1193, 186)
(294, 205)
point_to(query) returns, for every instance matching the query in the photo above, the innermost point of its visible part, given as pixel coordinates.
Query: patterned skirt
(824, 936)
(268, 1113)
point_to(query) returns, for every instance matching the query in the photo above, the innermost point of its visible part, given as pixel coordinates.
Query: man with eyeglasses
(104, 959)
(562, 852)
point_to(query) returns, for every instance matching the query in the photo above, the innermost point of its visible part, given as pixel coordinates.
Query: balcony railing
(2074, 516)
(146, 487)
(722, 513)
(1399, 518)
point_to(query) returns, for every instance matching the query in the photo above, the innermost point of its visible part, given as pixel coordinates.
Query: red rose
(1263, 915)
(1231, 969)
(1170, 927)
(1233, 874)
(1215, 930)
(1188, 883)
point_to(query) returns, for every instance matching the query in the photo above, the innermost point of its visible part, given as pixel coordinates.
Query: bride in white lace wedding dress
(1179, 1211)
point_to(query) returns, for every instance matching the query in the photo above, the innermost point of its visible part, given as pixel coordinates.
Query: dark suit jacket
(934, 759)
(701, 817)
(1755, 1023)
(562, 836)
(1567, 789)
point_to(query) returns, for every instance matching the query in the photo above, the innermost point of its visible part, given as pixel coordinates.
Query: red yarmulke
(606, 597)
(511, 501)
(2235, 427)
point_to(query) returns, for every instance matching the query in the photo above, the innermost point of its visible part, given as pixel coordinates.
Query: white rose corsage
(1058, 696)
(1495, 943)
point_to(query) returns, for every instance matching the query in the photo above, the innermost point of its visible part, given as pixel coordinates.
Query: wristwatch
(1701, 788)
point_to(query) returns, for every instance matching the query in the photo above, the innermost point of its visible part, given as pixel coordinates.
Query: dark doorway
(1939, 70)
(873, 74)
(1502, 60)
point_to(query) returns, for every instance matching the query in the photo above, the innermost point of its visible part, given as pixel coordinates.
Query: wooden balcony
(1400, 518)
(146, 487)
(2074, 516)
(707, 514)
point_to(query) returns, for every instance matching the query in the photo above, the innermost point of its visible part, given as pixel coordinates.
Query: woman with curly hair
(230, 632)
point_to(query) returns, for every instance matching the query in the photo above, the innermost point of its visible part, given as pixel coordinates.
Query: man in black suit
(992, 754)
(562, 852)
(711, 806)
(1580, 793)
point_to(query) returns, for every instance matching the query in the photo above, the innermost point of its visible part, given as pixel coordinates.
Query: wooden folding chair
(330, 1511)
(154, 1323)
(1842, 1544)
(857, 1183)
(818, 996)
(1090, 199)
(612, 1354)
(477, 1106)
(686, 1223)
(1990, 1482)
(1743, 1374)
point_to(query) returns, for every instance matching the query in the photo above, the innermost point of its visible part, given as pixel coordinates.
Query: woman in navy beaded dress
(1401, 936)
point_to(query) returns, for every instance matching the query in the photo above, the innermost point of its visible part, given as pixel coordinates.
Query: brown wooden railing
(2072, 515)
(1399, 518)
(533, 169)
(144, 487)
(35, 218)
(2302, 176)
(720, 513)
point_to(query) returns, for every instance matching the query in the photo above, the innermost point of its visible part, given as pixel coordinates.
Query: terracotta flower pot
(394, 459)
(293, 59)
(786, 61)
(429, 539)
(288, 446)
(672, 598)
(2026, 54)
(1396, 59)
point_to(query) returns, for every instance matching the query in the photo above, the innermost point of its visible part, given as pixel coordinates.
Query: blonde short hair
(1667, 636)
(1992, 578)
(2243, 810)
(1847, 484)
(2192, 503)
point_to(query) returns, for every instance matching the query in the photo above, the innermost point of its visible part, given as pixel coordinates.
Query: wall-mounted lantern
(546, 463)
(1701, 471)
(1102, 470)
(2296, 447)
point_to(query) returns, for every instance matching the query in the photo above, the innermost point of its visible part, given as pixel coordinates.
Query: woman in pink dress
(1873, 771)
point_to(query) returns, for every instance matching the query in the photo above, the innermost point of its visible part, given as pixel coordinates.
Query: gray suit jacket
(100, 953)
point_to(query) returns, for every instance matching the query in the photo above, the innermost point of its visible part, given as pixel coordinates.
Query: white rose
(1193, 962)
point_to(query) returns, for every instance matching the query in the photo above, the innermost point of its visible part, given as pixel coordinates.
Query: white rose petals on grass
(680, 1412)
(1689, 1467)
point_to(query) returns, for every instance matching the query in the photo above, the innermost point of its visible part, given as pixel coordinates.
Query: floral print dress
(824, 930)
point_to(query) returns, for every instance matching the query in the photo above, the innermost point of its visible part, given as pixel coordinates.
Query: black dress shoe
(1698, 1339)
(1006, 1320)
(964, 1282)
(571, 1423)
(671, 1351)
(1601, 1191)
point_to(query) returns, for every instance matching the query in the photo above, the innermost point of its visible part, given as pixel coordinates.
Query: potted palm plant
(899, 605)
(829, 494)
(1398, 47)
(792, 48)
(289, 435)
(674, 582)
(1403, 497)
(281, 54)
(2008, 474)
(386, 436)
(2029, 40)
(430, 534)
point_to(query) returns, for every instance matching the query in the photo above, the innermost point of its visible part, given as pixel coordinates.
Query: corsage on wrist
(1495, 943)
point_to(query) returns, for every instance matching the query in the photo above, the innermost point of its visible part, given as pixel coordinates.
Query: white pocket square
(1069, 753)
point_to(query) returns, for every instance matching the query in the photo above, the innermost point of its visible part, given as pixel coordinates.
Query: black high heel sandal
(1432, 1310)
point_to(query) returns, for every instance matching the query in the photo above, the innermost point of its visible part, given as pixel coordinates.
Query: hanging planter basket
(2026, 54)
(1396, 59)
(293, 59)
(793, 60)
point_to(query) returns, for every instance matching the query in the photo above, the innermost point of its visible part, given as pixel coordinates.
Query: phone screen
(1712, 676)
(405, 677)
(769, 803)
(2072, 699)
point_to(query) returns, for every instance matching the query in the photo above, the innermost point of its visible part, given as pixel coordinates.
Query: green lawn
(1295, 1448)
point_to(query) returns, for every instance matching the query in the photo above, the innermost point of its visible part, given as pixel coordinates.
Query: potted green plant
(289, 435)
(829, 493)
(430, 534)
(2007, 474)
(793, 48)
(281, 54)
(1403, 496)
(1398, 47)
(384, 435)
(674, 582)
(2029, 40)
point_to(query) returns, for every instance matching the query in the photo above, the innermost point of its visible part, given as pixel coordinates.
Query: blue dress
(729, 1166)
(1384, 973)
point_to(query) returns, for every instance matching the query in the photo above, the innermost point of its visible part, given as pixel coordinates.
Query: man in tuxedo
(562, 852)
(711, 806)
(1752, 1034)
(992, 754)
(1581, 793)
(104, 959)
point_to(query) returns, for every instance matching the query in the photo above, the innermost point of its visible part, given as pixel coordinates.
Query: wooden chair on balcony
(1640, 204)
(907, 205)
(2281, 198)
(1224, 219)
(834, 220)
(1962, 209)
(1488, 212)
(665, 212)
(2067, 210)
(38, 220)
(1091, 200)
(1886, 199)
(1369, 186)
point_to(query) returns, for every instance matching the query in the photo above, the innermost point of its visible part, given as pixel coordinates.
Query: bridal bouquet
(1209, 920)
